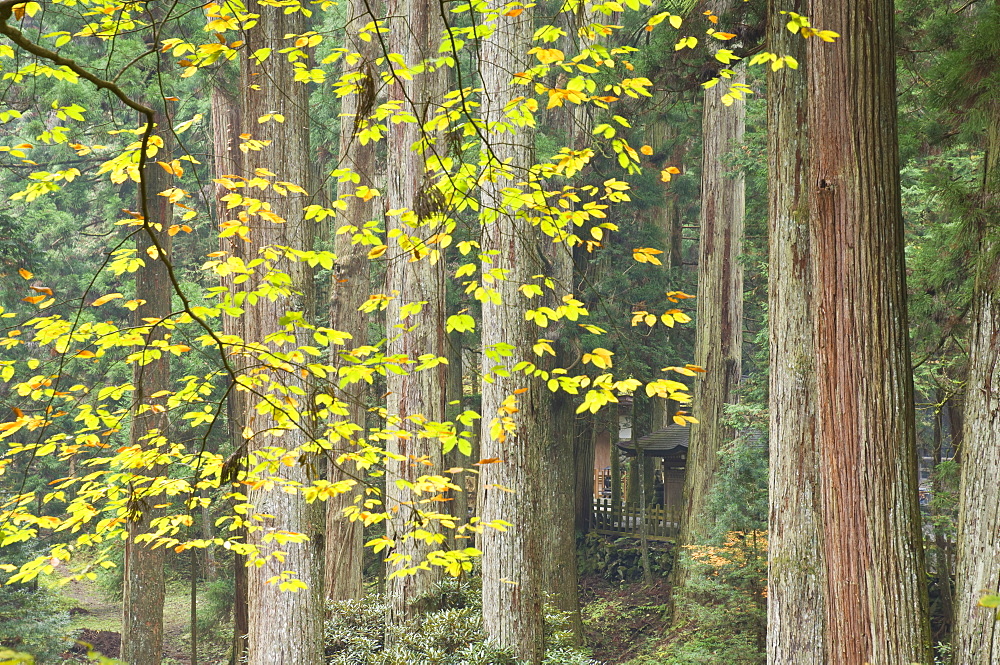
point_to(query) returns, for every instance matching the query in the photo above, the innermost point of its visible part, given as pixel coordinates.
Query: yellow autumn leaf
(104, 299)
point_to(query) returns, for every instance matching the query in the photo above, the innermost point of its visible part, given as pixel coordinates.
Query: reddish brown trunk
(876, 600)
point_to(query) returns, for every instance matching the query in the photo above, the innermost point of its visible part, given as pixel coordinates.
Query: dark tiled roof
(672, 439)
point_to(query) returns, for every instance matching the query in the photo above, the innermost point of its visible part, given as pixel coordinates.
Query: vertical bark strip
(876, 598)
(977, 633)
(661, 135)
(796, 579)
(349, 288)
(510, 490)
(560, 575)
(144, 589)
(269, 87)
(226, 124)
(414, 278)
(718, 347)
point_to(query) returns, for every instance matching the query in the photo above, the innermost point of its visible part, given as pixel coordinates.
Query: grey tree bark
(796, 575)
(349, 288)
(719, 342)
(514, 409)
(284, 627)
(977, 633)
(414, 278)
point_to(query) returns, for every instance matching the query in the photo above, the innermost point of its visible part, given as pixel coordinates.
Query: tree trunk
(285, 627)
(796, 580)
(144, 589)
(585, 431)
(876, 597)
(226, 124)
(719, 340)
(560, 577)
(515, 409)
(944, 571)
(415, 279)
(977, 634)
(349, 288)
(661, 134)
(455, 459)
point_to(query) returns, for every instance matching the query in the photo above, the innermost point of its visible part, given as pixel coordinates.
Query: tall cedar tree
(349, 288)
(560, 575)
(796, 578)
(876, 598)
(417, 310)
(226, 124)
(269, 87)
(144, 589)
(719, 341)
(512, 559)
(977, 633)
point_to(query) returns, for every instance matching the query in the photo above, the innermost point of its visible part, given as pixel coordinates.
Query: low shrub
(356, 634)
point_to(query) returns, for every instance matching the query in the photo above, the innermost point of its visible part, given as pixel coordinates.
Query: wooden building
(660, 459)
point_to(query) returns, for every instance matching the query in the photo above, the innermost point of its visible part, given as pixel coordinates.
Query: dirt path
(99, 622)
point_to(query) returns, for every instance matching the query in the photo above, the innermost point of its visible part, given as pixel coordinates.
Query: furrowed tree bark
(459, 500)
(143, 583)
(515, 409)
(417, 312)
(285, 627)
(585, 431)
(876, 598)
(560, 574)
(349, 289)
(977, 633)
(661, 134)
(796, 576)
(718, 346)
(226, 124)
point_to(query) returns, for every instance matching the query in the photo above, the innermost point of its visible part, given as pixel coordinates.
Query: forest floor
(623, 622)
(96, 620)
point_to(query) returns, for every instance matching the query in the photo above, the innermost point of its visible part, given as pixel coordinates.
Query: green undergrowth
(450, 635)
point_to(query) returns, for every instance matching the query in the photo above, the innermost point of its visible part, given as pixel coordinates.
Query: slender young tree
(349, 288)
(268, 87)
(977, 638)
(876, 597)
(796, 577)
(143, 582)
(417, 310)
(514, 409)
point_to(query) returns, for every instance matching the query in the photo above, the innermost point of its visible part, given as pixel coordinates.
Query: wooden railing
(626, 519)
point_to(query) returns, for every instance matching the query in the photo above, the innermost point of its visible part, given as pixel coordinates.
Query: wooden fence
(626, 519)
